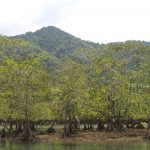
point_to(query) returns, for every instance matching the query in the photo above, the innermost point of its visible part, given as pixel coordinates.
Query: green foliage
(57, 42)
(109, 81)
(72, 80)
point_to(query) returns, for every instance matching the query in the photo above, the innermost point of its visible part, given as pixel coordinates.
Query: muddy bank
(131, 135)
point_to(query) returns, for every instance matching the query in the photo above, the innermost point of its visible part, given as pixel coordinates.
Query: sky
(100, 21)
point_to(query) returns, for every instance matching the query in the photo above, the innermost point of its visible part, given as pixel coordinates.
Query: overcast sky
(95, 20)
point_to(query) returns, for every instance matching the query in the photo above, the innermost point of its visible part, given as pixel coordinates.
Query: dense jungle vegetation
(51, 76)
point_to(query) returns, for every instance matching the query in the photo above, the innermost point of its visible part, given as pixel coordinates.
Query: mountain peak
(56, 41)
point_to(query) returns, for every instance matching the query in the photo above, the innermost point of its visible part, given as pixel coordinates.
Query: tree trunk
(100, 126)
(51, 129)
(77, 123)
(85, 127)
(110, 125)
(10, 126)
(27, 133)
(69, 128)
(18, 126)
(140, 126)
(3, 133)
(32, 126)
(148, 127)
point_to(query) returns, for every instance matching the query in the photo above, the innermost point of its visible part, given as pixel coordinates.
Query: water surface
(41, 146)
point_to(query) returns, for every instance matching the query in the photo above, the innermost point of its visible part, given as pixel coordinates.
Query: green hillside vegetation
(56, 41)
(19, 49)
(108, 84)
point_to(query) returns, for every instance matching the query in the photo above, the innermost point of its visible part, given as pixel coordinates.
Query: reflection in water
(38, 146)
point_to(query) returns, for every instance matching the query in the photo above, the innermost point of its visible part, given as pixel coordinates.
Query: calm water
(38, 146)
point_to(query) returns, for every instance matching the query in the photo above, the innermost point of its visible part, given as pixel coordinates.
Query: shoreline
(91, 137)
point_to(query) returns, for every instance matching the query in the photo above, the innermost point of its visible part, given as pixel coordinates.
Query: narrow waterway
(41, 146)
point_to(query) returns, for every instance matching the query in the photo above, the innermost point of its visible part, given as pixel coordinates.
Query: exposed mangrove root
(27, 134)
(71, 127)
(100, 126)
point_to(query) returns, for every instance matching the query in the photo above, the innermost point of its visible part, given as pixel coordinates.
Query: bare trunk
(51, 129)
(100, 126)
(3, 133)
(32, 126)
(77, 123)
(18, 126)
(110, 125)
(70, 127)
(27, 133)
(148, 127)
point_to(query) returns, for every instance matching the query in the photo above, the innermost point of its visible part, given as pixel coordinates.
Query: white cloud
(95, 20)
(109, 20)
(19, 16)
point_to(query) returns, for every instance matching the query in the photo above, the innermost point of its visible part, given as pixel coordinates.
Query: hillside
(56, 41)
(108, 84)
(19, 49)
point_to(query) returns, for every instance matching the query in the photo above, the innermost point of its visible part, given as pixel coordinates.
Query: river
(41, 146)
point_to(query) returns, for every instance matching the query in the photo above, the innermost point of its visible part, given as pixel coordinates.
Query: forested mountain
(56, 41)
(107, 83)
(20, 49)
